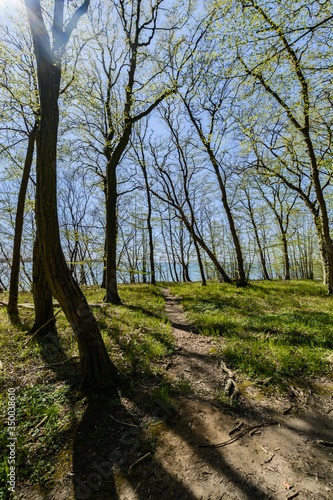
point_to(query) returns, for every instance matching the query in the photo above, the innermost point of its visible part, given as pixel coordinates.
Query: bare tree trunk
(41, 291)
(202, 272)
(321, 245)
(150, 230)
(111, 288)
(286, 256)
(97, 370)
(12, 308)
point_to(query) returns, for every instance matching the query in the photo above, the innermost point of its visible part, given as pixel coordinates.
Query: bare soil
(262, 447)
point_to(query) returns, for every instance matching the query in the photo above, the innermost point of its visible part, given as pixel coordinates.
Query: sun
(8, 6)
(10, 3)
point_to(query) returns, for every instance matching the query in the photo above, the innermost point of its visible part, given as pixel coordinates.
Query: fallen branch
(231, 389)
(27, 306)
(123, 423)
(316, 475)
(139, 461)
(241, 434)
(40, 423)
(224, 368)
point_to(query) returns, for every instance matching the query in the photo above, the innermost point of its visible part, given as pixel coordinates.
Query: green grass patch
(45, 416)
(138, 331)
(136, 334)
(276, 331)
(269, 329)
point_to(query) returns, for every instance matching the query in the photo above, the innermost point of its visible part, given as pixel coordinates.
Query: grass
(137, 332)
(273, 330)
(43, 421)
(49, 405)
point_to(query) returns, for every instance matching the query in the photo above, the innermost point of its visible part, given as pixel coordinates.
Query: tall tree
(169, 188)
(96, 366)
(280, 52)
(212, 107)
(140, 156)
(129, 87)
(21, 111)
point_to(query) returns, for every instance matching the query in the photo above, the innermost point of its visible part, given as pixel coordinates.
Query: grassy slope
(275, 330)
(269, 329)
(49, 405)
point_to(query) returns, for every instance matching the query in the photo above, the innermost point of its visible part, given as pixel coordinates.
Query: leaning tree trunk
(203, 245)
(96, 367)
(12, 308)
(242, 281)
(41, 292)
(201, 268)
(196, 245)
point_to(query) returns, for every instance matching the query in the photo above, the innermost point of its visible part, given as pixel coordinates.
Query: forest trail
(195, 445)
(273, 454)
(192, 361)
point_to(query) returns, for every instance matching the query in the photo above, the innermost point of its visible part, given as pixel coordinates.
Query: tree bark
(97, 369)
(111, 233)
(286, 256)
(321, 245)
(150, 230)
(41, 292)
(12, 308)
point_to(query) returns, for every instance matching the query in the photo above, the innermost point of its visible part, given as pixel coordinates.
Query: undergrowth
(275, 331)
(49, 404)
(268, 330)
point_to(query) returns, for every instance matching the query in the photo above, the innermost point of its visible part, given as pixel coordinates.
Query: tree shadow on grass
(56, 358)
(144, 311)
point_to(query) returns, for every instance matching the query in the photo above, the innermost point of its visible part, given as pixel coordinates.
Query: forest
(165, 248)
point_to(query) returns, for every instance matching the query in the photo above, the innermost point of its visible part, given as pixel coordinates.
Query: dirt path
(281, 460)
(269, 448)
